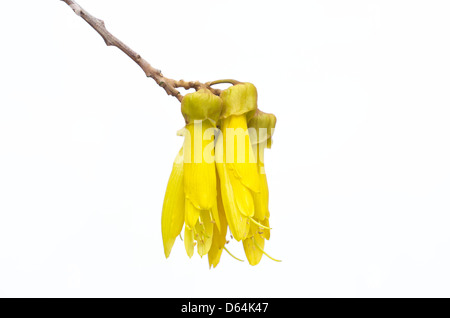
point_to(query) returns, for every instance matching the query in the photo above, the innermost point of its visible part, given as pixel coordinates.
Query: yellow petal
(215, 211)
(237, 222)
(199, 170)
(266, 231)
(220, 218)
(203, 233)
(261, 198)
(172, 218)
(252, 252)
(189, 241)
(243, 197)
(216, 249)
(219, 235)
(191, 214)
(217, 244)
(240, 163)
(239, 153)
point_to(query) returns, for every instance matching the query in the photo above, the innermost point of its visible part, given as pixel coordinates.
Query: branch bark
(169, 85)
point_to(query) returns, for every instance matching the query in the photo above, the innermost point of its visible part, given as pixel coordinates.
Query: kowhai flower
(240, 166)
(235, 160)
(261, 127)
(191, 196)
(218, 180)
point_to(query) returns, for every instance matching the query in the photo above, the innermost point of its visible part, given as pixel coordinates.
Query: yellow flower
(219, 182)
(261, 126)
(191, 196)
(235, 160)
(172, 219)
(219, 233)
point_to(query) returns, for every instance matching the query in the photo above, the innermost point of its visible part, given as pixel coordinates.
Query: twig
(168, 84)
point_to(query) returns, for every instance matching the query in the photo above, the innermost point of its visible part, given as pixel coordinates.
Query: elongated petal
(252, 251)
(199, 169)
(192, 214)
(215, 210)
(215, 252)
(261, 198)
(199, 184)
(266, 231)
(189, 241)
(203, 233)
(237, 222)
(239, 153)
(219, 235)
(172, 218)
(240, 163)
(243, 197)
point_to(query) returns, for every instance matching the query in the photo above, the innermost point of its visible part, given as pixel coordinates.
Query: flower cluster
(218, 180)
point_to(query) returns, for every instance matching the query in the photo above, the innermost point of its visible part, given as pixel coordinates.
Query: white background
(359, 172)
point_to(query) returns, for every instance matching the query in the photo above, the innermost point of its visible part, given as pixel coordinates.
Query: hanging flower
(218, 179)
(214, 184)
(235, 160)
(191, 196)
(172, 219)
(261, 127)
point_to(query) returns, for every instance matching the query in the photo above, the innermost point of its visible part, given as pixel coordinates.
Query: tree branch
(169, 85)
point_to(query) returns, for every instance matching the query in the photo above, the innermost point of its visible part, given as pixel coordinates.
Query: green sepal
(201, 105)
(266, 122)
(239, 99)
